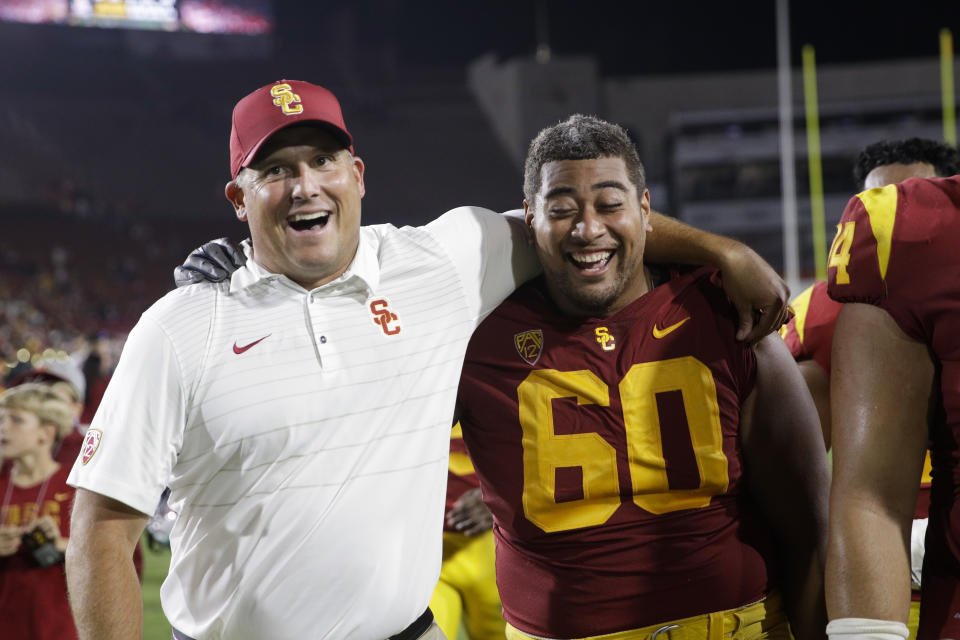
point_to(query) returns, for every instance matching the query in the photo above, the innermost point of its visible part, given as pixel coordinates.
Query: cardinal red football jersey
(609, 453)
(898, 248)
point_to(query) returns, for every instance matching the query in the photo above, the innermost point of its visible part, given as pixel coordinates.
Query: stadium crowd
(77, 274)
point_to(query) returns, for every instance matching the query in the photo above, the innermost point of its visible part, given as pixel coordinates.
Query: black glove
(213, 262)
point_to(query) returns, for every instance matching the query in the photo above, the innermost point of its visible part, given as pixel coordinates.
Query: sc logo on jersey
(383, 317)
(606, 340)
(286, 99)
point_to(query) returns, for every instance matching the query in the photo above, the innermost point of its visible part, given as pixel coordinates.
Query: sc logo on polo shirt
(384, 317)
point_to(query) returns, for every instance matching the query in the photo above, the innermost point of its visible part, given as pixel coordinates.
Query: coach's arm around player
(787, 474)
(101, 579)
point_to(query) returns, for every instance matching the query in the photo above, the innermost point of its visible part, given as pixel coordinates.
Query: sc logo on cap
(286, 99)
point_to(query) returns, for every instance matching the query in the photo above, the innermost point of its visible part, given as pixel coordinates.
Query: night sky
(638, 37)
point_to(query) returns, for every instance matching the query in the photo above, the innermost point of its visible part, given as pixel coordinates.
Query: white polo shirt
(304, 434)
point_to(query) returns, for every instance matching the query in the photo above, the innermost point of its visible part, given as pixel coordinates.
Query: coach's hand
(759, 294)
(469, 515)
(213, 262)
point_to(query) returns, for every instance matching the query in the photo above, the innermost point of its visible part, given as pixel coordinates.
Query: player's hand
(757, 291)
(9, 540)
(469, 515)
(213, 262)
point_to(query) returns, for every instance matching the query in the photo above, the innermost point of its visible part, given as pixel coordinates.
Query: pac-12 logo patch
(529, 344)
(286, 99)
(91, 442)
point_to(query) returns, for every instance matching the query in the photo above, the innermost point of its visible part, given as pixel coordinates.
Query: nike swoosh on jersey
(238, 350)
(659, 333)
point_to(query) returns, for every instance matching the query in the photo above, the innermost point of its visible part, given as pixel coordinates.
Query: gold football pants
(763, 620)
(468, 588)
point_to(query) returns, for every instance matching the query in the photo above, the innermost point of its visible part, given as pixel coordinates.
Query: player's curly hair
(41, 401)
(944, 159)
(580, 137)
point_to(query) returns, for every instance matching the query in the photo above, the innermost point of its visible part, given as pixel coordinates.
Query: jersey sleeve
(895, 249)
(133, 440)
(860, 254)
(490, 251)
(809, 334)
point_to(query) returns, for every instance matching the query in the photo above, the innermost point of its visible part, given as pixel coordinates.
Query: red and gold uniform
(896, 248)
(467, 582)
(33, 599)
(609, 455)
(809, 334)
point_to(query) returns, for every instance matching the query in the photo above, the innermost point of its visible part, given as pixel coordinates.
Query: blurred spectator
(98, 366)
(34, 515)
(64, 378)
(63, 277)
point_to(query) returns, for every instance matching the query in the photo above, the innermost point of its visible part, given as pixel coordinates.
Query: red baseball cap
(270, 108)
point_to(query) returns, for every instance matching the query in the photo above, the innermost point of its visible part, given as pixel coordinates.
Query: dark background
(139, 121)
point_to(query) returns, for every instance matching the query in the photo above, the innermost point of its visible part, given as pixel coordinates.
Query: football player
(809, 335)
(895, 352)
(648, 474)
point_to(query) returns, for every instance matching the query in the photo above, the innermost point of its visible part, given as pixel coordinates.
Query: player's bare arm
(881, 381)
(759, 294)
(103, 585)
(818, 383)
(787, 475)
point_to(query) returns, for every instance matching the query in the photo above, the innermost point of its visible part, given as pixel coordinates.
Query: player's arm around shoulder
(101, 579)
(758, 293)
(787, 474)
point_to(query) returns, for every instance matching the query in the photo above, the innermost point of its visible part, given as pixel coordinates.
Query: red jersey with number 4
(608, 451)
(898, 247)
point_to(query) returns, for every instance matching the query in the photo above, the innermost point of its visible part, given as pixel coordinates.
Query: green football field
(155, 566)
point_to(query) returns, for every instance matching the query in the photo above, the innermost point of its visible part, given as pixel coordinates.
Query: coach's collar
(363, 274)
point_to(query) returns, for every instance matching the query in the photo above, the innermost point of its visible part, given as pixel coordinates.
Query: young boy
(34, 515)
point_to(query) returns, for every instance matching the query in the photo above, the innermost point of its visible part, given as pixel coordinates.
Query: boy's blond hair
(41, 401)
